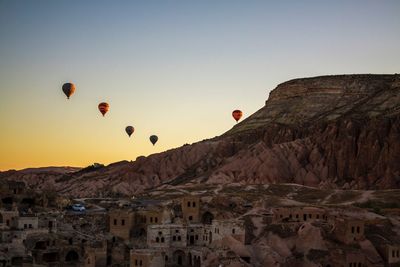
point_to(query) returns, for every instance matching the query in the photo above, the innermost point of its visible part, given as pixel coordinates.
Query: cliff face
(330, 131)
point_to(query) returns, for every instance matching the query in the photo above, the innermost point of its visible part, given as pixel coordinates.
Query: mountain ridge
(337, 131)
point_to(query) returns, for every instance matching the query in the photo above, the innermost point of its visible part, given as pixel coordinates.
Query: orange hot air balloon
(103, 108)
(68, 89)
(237, 114)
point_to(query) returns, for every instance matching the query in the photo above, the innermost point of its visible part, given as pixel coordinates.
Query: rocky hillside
(330, 132)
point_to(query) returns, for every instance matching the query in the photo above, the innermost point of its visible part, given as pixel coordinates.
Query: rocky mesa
(338, 131)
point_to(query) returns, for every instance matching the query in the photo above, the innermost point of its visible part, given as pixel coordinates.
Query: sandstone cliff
(330, 131)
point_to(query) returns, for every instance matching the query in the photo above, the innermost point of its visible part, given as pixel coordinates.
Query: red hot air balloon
(129, 130)
(237, 114)
(103, 108)
(68, 89)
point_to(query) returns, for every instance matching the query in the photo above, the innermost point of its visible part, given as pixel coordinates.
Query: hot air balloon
(153, 139)
(68, 89)
(237, 114)
(104, 107)
(129, 130)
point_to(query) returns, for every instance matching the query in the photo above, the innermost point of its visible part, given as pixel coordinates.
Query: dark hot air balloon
(68, 89)
(153, 139)
(104, 107)
(237, 114)
(129, 130)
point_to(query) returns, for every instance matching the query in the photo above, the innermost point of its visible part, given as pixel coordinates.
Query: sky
(172, 68)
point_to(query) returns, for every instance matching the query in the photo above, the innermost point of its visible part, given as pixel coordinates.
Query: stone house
(16, 187)
(96, 255)
(348, 258)
(121, 223)
(223, 228)
(191, 209)
(146, 258)
(6, 217)
(28, 221)
(349, 230)
(166, 235)
(387, 246)
(298, 214)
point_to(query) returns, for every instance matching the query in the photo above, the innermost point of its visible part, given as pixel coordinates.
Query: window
(159, 233)
(188, 203)
(135, 262)
(162, 240)
(233, 231)
(358, 229)
(140, 263)
(174, 238)
(115, 221)
(297, 216)
(197, 237)
(25, 226)
(393, 253)
(151, 219)
(176, 231)
(194, 204)
(166, 258)
(30, 225)
(179, 238)
(309, 215)
(317, 216)
(397, 254)
(190, 218)
(352, 229)
(122, 222)
(157, 239)
(156, 219)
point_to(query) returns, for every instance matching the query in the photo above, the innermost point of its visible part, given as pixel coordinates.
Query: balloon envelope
(68, 89)
(129, 130)
(237, 114)
(104, 107)
(153, 139)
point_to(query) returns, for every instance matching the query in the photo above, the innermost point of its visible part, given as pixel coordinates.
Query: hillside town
(191, 230)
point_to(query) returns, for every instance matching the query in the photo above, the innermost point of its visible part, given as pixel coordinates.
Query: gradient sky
(172, 68)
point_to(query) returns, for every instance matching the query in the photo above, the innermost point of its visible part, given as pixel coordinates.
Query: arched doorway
(28, 201)
(16, 261)
(190, 259)
(207, 217)
(50, 257)
(179, 258)
(72, 256)
(7, 200)
(197, 261)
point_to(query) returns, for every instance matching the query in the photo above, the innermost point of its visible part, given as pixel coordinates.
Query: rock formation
(338, 131)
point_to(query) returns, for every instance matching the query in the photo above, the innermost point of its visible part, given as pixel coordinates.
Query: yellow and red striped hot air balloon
(103, 108)
(237, 114)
